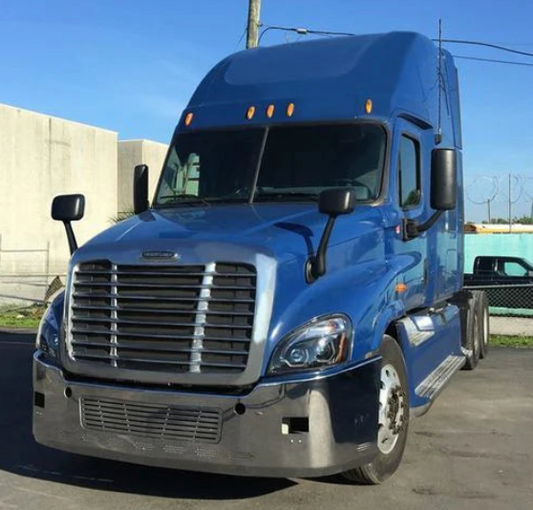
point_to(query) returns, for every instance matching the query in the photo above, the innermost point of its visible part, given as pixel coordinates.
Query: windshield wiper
(196, 200)
(190, 199)
(285, 196)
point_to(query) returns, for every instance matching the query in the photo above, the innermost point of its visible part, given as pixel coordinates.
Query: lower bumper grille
(157, 421)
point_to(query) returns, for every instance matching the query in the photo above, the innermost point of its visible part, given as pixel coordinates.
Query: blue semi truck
(293, 294)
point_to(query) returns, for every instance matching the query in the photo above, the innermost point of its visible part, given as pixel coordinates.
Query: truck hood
(283, 231)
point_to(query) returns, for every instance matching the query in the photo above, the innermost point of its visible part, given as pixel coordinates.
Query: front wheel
(393, 419)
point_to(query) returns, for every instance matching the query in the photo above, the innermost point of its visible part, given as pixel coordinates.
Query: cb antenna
(438, 136)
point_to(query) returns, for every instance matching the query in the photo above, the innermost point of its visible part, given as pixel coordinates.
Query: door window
(409, 173)
(514, 269)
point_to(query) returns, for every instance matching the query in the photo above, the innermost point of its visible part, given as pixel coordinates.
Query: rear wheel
(483, 312)
(393, 418)
(473, 334)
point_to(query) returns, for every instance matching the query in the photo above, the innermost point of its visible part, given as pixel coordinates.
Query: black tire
(385, 465)
(473, 335)
(483, 312)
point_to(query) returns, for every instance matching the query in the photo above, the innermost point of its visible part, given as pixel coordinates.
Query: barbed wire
(507, 188)
(483, 197)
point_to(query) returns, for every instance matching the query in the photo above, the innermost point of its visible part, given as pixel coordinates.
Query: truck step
(431, 386)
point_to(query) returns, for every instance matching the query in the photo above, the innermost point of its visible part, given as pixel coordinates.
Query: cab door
(410, 165)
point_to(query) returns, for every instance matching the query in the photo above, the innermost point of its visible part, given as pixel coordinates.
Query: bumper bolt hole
(68, 392)
(240, 409)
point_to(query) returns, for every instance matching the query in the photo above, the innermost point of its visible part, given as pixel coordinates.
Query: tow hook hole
(68, 392)
(39, 400)
(240, 409)
(294, 426)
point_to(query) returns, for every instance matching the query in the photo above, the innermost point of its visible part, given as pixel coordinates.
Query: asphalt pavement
(474, 450)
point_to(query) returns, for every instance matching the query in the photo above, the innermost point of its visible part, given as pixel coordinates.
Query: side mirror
(67, 208)
(443, 191)
(332, 202)
(443, 179)
(140, 189)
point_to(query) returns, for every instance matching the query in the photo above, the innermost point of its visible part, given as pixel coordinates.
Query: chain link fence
(510, 308)
(26, 278)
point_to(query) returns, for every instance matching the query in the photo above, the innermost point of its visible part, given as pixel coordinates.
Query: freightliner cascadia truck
(292, 296)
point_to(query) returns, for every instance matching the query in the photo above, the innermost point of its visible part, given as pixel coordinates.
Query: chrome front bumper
(256, 437)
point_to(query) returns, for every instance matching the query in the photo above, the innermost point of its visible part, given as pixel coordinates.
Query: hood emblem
(160, 255)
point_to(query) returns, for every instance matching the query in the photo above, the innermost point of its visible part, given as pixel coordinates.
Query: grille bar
(114, 285)
(155, 273)
(163, 311)
(147, 347)
(115, 320)
(112, 357)
(79, 295)
(171, 319)
(151, 335)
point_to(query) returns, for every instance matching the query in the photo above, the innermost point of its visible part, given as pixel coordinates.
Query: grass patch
(511, 341)
(28, 317)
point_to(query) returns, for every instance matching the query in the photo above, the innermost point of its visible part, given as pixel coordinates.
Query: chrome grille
(158, 421)
(163, 318)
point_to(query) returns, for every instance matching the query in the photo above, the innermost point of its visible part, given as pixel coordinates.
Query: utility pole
(510, 206)
(254, 11)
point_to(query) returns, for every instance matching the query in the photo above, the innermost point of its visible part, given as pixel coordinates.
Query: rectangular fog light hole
(38, 399)
(294, 426)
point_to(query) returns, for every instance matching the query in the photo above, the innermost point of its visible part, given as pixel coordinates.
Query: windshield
(297, 163)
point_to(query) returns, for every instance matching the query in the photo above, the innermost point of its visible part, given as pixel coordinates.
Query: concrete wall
(517, 245)
(43, 156)
(131, 153)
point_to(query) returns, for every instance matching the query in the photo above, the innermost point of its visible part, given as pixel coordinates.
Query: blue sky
(131, 65)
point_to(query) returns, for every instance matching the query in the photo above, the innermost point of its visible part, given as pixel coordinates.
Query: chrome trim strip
(114, 317)
(201, 319)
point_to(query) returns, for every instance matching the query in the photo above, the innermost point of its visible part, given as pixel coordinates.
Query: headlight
(48, 332)
(324, 342)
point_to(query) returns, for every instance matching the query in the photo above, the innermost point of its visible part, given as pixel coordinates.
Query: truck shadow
(21, 455)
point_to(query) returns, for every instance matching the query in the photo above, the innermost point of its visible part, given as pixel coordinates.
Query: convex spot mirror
(68, 208)
(443, 179)
(336, 201)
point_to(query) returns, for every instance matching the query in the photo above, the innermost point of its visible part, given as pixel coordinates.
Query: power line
(306, 31)
(241, 37)
(488, 45)
(302, 31)
(492, 60)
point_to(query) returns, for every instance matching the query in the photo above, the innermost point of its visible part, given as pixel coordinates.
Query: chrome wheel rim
(485, 327)
(392, 407)
(477, 336)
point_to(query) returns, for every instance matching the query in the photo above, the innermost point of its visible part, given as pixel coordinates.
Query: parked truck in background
(293, 294)
(507, 280)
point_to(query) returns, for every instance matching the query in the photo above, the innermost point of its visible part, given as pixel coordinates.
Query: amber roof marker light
(250, 112)
(290, 109)
(270, 111)
(368, 106)
(188, 118)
